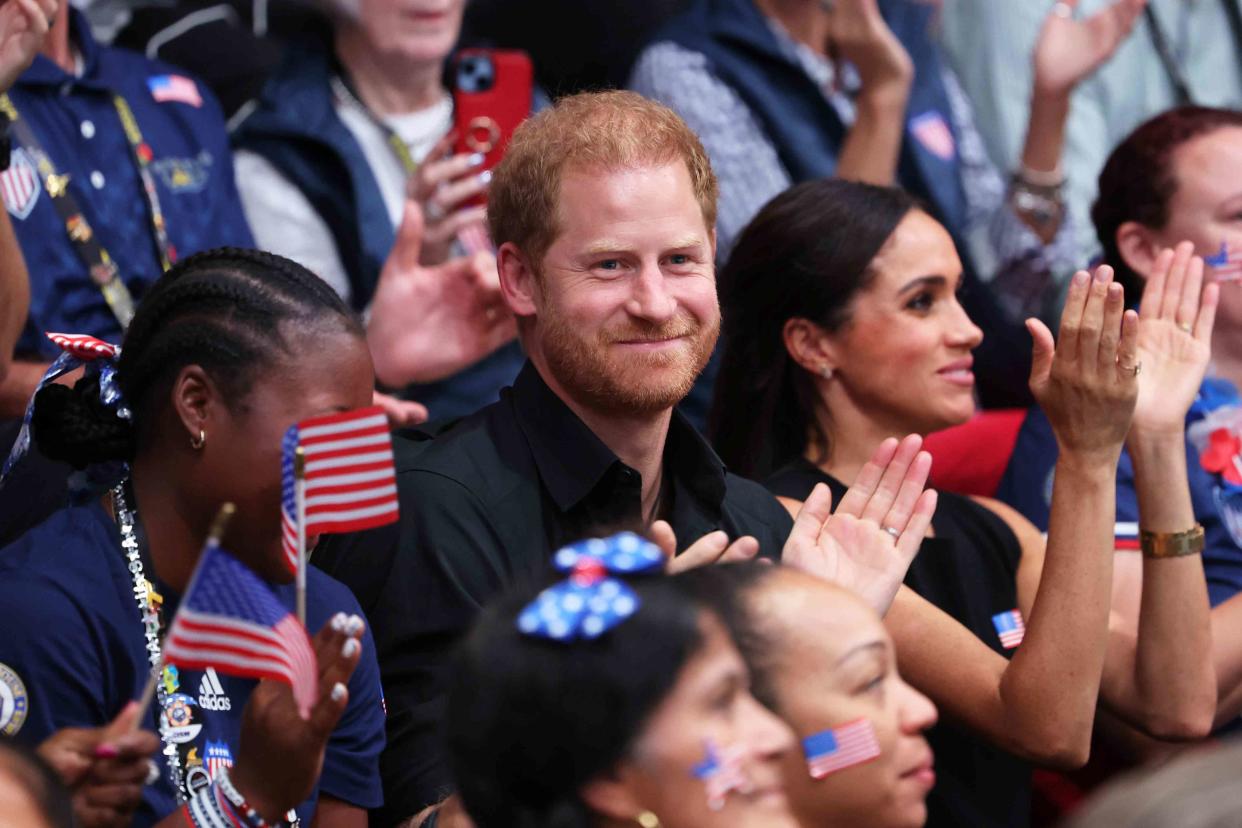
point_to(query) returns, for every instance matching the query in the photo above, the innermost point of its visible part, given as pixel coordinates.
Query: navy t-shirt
(72, 653)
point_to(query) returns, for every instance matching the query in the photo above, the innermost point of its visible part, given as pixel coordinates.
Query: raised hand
(1174, 339)
(869, 544)
(714, 547)
(441, 185)
(429, 322)
(1087, 382)
(23, 25)
(400, 413)
(1069, 50)
(857, 33)
(104, 767)
(280, 754)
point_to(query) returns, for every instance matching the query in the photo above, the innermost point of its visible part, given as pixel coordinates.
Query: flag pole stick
(299, 495)
(218, 525)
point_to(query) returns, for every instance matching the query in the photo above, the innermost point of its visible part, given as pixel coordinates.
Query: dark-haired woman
(843, 327)
(643, 716)
(1172, 184)
(226, 351)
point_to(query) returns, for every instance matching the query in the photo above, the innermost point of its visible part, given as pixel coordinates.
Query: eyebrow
(878, 647)
(608, 246)
(924, 281)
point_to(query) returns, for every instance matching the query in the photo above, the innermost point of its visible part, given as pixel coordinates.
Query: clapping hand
(1069, 50)
(1174, 340)
(867, 546)
(857, 33)
(1087, 382)
(714, 547)
(23, 25)
(430, 322)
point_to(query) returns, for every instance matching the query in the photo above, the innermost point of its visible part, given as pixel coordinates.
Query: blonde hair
(594, 130)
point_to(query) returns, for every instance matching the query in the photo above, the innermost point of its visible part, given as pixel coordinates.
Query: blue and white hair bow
(79, 349)
(589, 602)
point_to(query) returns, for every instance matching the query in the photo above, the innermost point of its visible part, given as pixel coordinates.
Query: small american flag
(351, 483)
(1226, 264)
(1126, 535)
(83, 346)
(933, 132)
(1010, 628)
(20, 185)
(840, 747)
(174, 89)
(722, 773)
(230, 620)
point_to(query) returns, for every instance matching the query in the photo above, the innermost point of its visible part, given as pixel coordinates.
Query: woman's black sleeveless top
(969, 570)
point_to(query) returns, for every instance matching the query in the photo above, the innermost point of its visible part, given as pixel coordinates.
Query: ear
(196, 400)
(518, 282)
(609, 795)
(810, 346)
(1138, 247)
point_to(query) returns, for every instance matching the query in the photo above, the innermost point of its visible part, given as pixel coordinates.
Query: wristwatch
(1039, 201)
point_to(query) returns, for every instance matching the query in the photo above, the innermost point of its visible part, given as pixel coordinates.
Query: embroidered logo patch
(184, 175)
(174, 89)
(20, 185)
(932, 131)
(13, 701)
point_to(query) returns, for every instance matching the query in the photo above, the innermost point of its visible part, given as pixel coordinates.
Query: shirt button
(88, 129)
(97, 180)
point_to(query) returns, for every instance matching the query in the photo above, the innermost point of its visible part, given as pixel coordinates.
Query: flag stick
(218, 525)
(299, 496)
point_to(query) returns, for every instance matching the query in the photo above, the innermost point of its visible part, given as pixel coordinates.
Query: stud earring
(198, 442)
(648, 820)
(825, 372)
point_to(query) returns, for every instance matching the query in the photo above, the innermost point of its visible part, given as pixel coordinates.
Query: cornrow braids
(221, 309)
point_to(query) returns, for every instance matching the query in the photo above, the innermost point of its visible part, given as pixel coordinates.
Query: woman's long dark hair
(222, 309)
(530, 720)
(805, 255)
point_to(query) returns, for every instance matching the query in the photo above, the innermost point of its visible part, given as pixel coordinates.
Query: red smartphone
(491, 96)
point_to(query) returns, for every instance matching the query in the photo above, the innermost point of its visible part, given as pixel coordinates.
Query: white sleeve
(284, 221)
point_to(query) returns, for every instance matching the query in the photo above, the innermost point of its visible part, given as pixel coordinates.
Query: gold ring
(1186, 326)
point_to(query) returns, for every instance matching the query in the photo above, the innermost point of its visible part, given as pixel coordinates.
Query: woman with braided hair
(225, 351)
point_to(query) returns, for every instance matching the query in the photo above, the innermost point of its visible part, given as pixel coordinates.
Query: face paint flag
(840, 747)
(1125, 535)
(721, 772)
(351, 483)
(1226, 264)
(231, 620)
(1010, 628)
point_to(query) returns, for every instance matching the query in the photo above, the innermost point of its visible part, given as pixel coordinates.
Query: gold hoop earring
(648, 820)
(198, 442)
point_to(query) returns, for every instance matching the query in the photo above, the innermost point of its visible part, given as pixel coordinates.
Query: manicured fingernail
(338, 692)
(338, 622)
(106, 751)
(350, 648)
(354, 625)
(485, 177)
(477, 159)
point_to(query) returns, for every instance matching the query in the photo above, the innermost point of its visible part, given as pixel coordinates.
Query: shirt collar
(571, 460)
(44, 72)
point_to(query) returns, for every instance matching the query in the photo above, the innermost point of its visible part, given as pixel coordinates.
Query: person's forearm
(14, 293)
(18, 387)
(1169, 689)
(873, 145)
(1052, 683)
(1045, 131)
(1227, 658)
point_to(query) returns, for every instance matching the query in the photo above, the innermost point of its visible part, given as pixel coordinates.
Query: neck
(173, 538)
(852, 434)
(805, 20)
(57, 47)
(387, 85)
(1227, 355)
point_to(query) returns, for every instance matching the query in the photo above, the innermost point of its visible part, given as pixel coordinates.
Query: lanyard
(398, 147)
(103, 270)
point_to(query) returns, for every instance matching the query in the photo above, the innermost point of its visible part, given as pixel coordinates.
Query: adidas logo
(211, 695)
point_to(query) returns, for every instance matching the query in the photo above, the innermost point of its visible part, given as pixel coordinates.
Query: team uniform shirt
(73, 653)
(77, 124)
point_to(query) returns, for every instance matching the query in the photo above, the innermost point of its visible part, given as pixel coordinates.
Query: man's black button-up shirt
(483, 506)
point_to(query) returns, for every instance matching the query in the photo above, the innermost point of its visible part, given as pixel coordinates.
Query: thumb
(125, 722)
(409, 242)
(661, 534)
(812, 516)
(1042, 348)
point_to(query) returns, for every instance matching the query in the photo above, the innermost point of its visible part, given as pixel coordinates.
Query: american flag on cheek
(1226, 264)
(721, 771)
(838, 748)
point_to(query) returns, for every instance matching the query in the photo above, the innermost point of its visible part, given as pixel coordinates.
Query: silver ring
(895, 534)
(1063, 10)
(1132, 370)
(153, 772)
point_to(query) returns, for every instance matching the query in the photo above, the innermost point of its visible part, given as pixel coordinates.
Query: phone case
(492, 95)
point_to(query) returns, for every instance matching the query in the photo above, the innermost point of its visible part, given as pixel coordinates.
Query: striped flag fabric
(174, 89)
(1010, 628)
(1226, 264)
(351, 482)
(20, 184)
(83, 346)
(1126, 535)
(721, 772)
(231, 620)
(840, 747)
